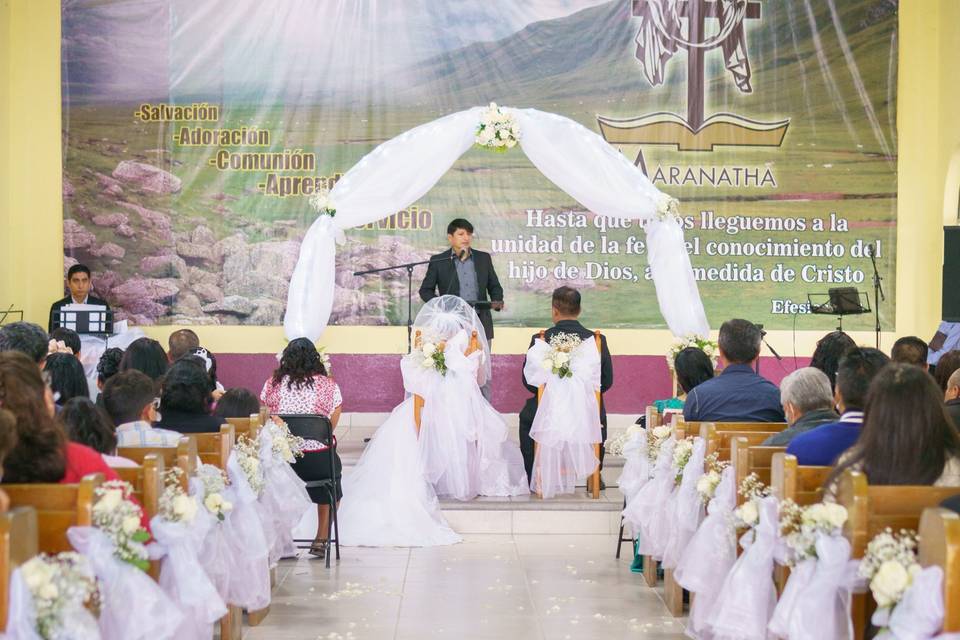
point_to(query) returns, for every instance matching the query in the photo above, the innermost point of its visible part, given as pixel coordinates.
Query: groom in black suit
(565, 311)
(465, 272)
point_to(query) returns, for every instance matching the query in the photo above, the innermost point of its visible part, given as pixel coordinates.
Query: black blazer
(606, 367)
(441, 279)
(56, 306)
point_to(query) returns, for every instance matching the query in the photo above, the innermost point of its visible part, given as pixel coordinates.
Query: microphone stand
(409, 267)
(763, 338)
(877, 291)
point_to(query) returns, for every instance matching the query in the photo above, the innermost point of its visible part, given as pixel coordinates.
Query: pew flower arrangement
(62, 586)
(118, 516)
(890, 565)
(706, 345)
(709, 481)
(799, 526)
(557, 361)
(498, 130)
(655, 438)
(681, 455)
(614, 446)
(285, 446)
(175, 504)
(748, 513)
(214, 483)
(248, 456)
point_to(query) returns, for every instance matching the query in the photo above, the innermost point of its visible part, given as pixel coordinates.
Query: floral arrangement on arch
(322, 204)
(889, 565)
(498, 130)
(706, 345)
(248, 456)
(799, 526)
(557, 361)
(214, 484)
(752, 490)
(668, 208)
(709, 481)
(62, 586)
(118, 516)
(429, 354)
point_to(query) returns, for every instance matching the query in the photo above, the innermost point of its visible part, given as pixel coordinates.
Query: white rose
(130, 525)
(49, 591)
(889, 583)
(429, 348)
(486, 136)
(836, 515)
(748, 513)
(493, 106)
(814, 514)
(226, 506)
(213, 502)
(511, 143)
(110, 500)
(36, 573)
(548, 364)
(661, 432)
(185, 507)
(562, 357)
(427, 363)
(705, 485)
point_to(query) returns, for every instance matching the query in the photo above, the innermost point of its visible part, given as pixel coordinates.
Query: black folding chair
(319, 469)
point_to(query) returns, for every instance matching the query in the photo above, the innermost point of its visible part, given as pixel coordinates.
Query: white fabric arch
(401, 170)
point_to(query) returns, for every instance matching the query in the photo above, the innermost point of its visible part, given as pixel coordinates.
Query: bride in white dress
(390, 497)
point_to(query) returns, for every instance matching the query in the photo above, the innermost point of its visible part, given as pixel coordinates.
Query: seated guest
(807, 403)
(826, 357)
(8, 438)
(907, 438)
(185, 400)
(237, 403)
(952, 397)
(67, 379)
(210, 366)
(129, 398)
(86, 424)
(180, 343)
(42, 452)
(948, 363)
(693, 367)
(79, 284)
(910, 350)
(565, 310)
(945, 340)
(300, 384)
(822, 446)
(27, 338)
(145, 355)
(738, 394)
(108, 366)
(69, 338)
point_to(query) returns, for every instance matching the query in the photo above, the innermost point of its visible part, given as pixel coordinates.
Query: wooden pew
(748, 458)
(147, 482)
(18, 543)
(215, 448)
(870, 510)
(940, 545)
(184, 456)
(249, 426)
(58, 507)
(718, 435)
(802, 484)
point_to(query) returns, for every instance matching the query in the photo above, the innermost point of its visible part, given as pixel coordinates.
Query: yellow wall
(30, 196)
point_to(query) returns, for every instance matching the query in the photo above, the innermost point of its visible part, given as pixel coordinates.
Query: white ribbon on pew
(647, 506)
(22, 616)
(132, 605)
(748, 595)
(636, 468)
(249, 582)
(215, 557)
(687, 506)
(180, 544)
(710, 554)
(284, 499)
(919, 614)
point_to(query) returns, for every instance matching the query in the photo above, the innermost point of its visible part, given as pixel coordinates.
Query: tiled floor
(490, 586)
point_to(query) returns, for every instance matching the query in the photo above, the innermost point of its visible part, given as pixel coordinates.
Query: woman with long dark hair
(185, 399)
(145, 355)
(237, 403)
(67, 379)
(87, 424)
(830, 348)
(907, 438)
(693, 367)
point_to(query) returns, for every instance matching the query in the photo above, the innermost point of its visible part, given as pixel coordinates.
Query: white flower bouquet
(709, 481)
(614, 446)
(668, 208)
(60, 585)
(889, 565)
(558, 360)
(175, 504)
(706, 345)
(748, 513)
(248, 455)
(799, 526)
(118, 516)
(655, 438)
(322, 204)
(681, 455)
(285, 446)
(214, 483)
(429, 353)
(498, 130)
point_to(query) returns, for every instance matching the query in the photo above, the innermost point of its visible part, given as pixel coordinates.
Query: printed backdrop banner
(194, 134)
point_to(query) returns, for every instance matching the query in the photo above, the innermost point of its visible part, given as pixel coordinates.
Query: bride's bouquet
(429, 353)
(557, 361)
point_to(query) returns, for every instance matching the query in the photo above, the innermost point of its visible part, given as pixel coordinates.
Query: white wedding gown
(390, 497)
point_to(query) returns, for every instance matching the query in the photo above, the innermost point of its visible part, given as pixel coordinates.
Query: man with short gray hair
(953, 397)
(807, 402)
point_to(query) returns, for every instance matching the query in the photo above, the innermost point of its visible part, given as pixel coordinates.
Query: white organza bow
(650, 503)
(132, 605)
(22, 616)
(687, 507)
(919, 614)
(249, 581)
(636, 469)
(284, 499)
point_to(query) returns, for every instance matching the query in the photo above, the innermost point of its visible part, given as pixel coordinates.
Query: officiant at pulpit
(469, 274)
(79, 284)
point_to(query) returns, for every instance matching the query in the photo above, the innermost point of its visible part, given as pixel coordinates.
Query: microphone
(462, 255)
(870, 250)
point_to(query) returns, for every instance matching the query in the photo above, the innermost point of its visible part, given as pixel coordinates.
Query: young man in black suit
(565, 311)
(465, 272)
(78, 281)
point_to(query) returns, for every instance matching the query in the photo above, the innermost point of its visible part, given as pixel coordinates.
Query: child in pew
(237, 403)
(87, 424)
(131, 403)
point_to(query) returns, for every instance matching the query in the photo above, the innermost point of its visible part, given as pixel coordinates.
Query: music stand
(840, 301)
(6, 314)
(86, 322)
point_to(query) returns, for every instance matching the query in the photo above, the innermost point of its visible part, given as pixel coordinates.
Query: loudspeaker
(951, 274)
